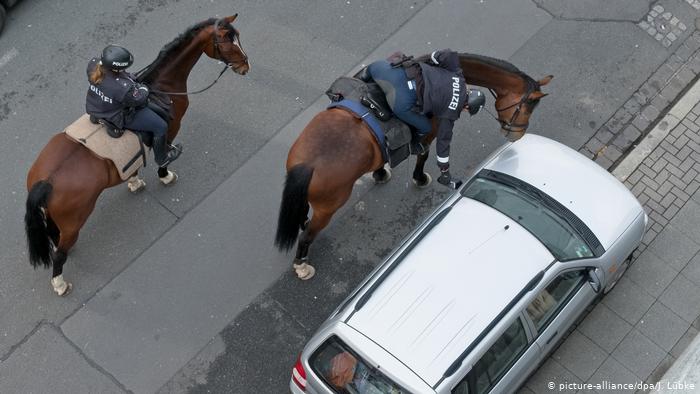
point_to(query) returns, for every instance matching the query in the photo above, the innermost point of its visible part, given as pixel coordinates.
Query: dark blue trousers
(400, 94)
(146, 120)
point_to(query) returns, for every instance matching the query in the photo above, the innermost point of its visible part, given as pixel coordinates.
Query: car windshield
(534, 210)
(345, 372)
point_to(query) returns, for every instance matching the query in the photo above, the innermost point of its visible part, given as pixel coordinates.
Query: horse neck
(480, 73)
(175, 73)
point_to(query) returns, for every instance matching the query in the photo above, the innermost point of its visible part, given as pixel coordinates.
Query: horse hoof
(169, 179)
(304, 271)
(135, 184)
(426, 182)
(381, 176)
(60, 286)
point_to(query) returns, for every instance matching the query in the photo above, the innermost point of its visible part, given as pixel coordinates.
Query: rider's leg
(401, 96)
(146, 120)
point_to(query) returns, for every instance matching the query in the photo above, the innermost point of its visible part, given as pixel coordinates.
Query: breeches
(400, 94)
(146, 120)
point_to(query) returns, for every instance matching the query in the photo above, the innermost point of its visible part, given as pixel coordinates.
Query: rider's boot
(364, 75)
(164, 154)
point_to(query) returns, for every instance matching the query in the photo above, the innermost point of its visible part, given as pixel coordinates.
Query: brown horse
(336, 148)
(66, 179)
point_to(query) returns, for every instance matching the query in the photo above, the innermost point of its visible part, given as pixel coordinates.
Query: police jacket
(116, 98)
(444, 96)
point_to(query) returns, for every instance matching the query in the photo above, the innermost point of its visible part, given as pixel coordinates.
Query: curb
(674, 116)
(684, 374)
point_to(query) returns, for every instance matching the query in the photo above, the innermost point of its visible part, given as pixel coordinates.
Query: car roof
(441, 296)
(601, 201)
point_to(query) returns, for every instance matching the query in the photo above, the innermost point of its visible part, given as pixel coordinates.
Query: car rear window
(347, 373)
(536, 212)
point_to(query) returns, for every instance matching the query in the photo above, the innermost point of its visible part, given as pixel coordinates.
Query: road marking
(8, 56)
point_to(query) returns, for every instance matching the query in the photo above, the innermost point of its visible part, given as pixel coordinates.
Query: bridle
(509, 126)
(217, 52)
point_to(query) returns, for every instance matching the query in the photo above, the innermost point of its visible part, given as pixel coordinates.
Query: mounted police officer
(116, 97)
(418, 91)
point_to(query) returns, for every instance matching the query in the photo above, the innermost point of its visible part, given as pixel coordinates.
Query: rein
(196, 91)
(216, 53)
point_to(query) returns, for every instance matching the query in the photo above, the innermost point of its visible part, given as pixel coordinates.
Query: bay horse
(66, 179)
(336, 148)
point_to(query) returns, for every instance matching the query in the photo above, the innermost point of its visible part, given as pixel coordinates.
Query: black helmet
(475, 100)
(116, 57)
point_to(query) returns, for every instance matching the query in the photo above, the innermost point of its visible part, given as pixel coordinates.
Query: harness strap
(367, 116)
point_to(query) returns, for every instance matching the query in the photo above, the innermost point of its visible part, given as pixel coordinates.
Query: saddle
(159, 103)
(395, 136)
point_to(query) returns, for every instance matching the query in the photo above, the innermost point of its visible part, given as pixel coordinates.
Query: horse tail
(35, 221)
(294, 206)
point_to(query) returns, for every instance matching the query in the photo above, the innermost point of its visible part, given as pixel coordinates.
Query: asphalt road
(179, 288)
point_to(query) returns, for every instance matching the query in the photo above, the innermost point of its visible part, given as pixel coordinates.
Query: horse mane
(502, 64)
(150, 72)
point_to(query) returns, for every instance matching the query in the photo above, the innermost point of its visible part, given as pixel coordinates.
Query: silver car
(480, 293)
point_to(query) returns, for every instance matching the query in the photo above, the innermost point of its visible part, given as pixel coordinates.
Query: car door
(506, 364)
(556, 306)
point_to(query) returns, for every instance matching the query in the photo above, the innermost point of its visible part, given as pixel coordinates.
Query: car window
(495, 362)
(543, 308)
(534, 213)
(346, 373)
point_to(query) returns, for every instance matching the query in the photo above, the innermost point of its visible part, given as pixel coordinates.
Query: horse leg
(60, 286)
(318, 222)
(421, 178)
(381, 175)
(166, 176)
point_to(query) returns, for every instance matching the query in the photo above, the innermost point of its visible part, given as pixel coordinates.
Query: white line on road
(8, 56)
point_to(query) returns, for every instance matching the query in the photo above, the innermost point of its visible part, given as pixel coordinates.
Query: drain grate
(663, 26)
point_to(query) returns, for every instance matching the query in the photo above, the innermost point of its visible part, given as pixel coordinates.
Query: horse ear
(230, 19)
(537, 95)
(545, 80)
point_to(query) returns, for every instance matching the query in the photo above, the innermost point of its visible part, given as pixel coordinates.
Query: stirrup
(418, 148)
(173, 153)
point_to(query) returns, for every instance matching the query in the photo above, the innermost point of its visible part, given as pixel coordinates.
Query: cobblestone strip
(666, 179)
(634, 118)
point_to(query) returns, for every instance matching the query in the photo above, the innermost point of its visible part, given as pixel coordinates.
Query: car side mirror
(594, 280)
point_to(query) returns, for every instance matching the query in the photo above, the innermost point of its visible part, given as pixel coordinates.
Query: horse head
(515, 107)
(226, 45)
(517, 94)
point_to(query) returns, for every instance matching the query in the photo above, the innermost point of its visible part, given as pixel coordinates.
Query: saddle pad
(126, 152)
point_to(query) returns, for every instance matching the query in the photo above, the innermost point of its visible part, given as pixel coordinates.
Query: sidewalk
(643, 328)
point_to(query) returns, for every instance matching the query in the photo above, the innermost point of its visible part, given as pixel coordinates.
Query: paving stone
(628, 300)
(641, 122)
(612, 153)
(684, 341)
(639, 354)
(604, 327)
(683, 297)
(650, 112)
(662, 326)
(684, 52)
(692, 270)
(604, 162)
(594, 145)
(674, 247)
(671, 212)
(632, 105)
(682, 196)
(692, 189)
(651, 183)
(687, 220)
(580, 355)
(612, 371)
(674, 87)
(651, 273)
(550, 372)
(686, 75)
(660, 102)
(604, 135)
(658, 217)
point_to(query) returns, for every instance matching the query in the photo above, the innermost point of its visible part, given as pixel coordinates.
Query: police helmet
(475, 100)
(116, 57)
